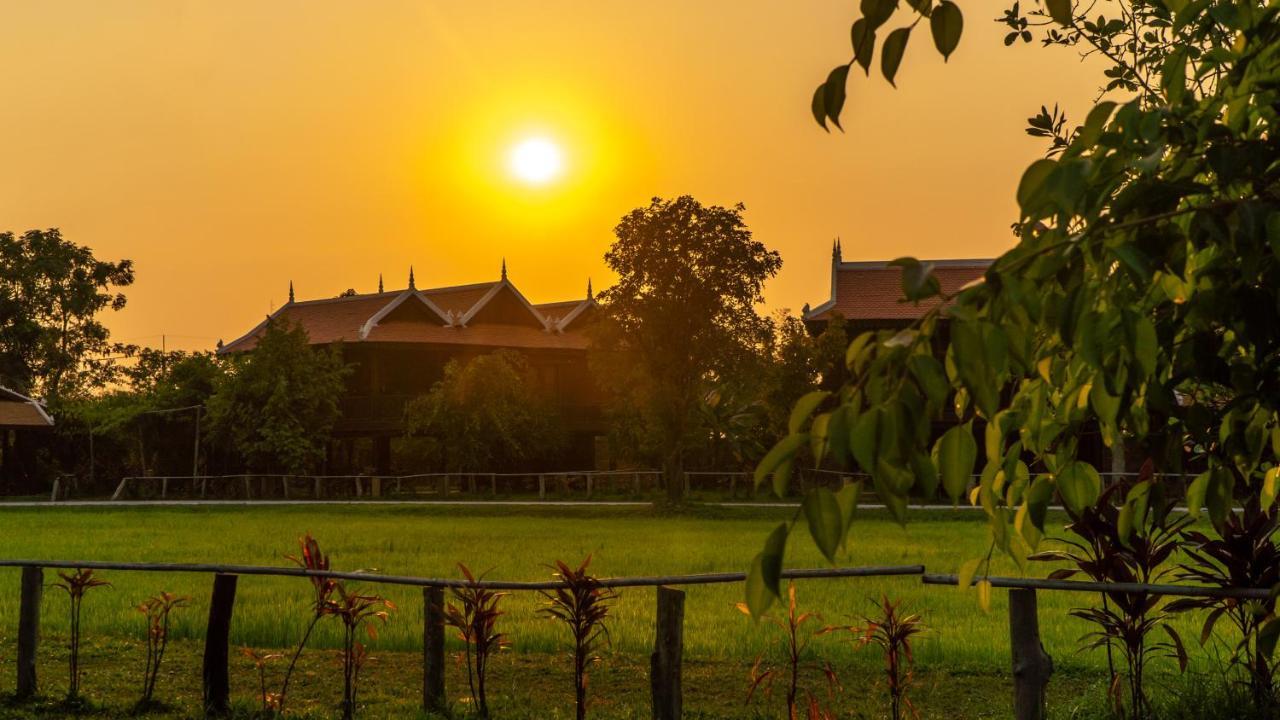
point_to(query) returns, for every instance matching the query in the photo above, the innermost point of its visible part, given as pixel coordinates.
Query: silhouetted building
(868, 295)
(399, 342)
(22, 420)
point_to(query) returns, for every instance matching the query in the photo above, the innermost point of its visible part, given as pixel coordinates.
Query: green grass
(517, 544)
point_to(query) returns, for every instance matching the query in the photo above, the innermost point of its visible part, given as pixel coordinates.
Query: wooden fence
(1031, 665)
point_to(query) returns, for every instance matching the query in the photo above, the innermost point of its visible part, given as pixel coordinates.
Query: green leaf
(826, 522)
(891, 54)
(1267, 635)
(864, 438)
(1094, 121)
(967, 572)
(1145, 344)
(1124, 524)
(847, 499)
(1268, 496)
(1196, 492)
(1218, 499)
(946, 22)
(764, 579)
(819, 106)
(930, 376)
(834, 93)
(863, 37)
(1079, 485)
(1032, 185)
(1060, 11)
(782, 477)
(926, 476)
(877, 12)
(957, 452)
(804, 408)
(782, 452)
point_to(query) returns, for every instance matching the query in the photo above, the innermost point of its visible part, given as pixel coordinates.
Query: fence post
(542, 487)
(1032, 666)
(376, 486)
(217, 681)
(444, 485)
(588, 477)
(433, 649)
(318, 492)
(29, 630)
(668, 652)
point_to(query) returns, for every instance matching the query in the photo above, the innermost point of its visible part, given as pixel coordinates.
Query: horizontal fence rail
(620, 582)
(1107, 587)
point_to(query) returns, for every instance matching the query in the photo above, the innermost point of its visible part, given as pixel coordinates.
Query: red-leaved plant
(157, 609)
(892, 632)
(76, 584)
(270, 701)
(582, 604)
(475, 617)
(796, 664)
(355, 610)
(309, 557)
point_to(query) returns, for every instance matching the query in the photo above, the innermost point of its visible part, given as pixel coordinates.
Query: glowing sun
(536, 160)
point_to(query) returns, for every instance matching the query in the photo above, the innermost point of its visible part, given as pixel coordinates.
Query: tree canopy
(277, 404)
(682, 313)
(51, 292)
(485, 414)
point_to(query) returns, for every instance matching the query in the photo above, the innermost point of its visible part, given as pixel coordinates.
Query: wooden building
(400, 340)
(22, 421)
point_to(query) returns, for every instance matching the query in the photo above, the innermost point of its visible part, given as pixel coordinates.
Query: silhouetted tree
(484, 414)
(51, 291)
(277, 403)
(682, 314)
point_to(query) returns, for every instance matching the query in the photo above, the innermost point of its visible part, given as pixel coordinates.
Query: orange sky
(230, 147)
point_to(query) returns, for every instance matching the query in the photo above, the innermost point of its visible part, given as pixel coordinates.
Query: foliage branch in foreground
(1141, 297)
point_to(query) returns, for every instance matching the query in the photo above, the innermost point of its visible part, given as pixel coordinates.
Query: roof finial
(379, 283)
(835, 250)
(504, 268)
(412, 286)
(290, 291)
(590, 295)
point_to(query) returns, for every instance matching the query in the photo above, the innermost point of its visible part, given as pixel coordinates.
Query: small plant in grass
(355, 610)
(1244, 555)
(1129, 544)
(309, 557)
(892, 631)
(475, 617)
(157, 610)
(582, 604)
(76, 584)
(270, 701)
(766, 673)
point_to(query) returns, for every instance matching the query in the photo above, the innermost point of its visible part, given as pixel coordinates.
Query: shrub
(475, 617)
(765, 673)
(157, 609)
(76, 585)
(309, 557)
(1243, 556)
(270, 701)
(355, 610)
(1132, 545)
(582, 604)
(892, 631)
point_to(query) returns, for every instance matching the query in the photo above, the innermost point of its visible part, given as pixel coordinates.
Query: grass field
(415, 540)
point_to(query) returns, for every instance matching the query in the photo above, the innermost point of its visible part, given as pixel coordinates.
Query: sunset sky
(231, 147)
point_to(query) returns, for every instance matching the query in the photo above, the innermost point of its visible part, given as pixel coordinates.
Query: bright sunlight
(536, 160)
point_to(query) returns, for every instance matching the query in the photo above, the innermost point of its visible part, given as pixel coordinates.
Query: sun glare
(536, 160)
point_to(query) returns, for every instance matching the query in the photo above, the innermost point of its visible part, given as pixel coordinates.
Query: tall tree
(277, 403)
(51, 292)
(485, 414)
(682, 313)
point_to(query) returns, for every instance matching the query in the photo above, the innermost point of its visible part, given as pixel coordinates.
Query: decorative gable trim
(493, 292)
(402, 298)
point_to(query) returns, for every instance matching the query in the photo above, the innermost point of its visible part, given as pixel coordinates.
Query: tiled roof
(873, 290)
(18, 410)
(403, 317)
